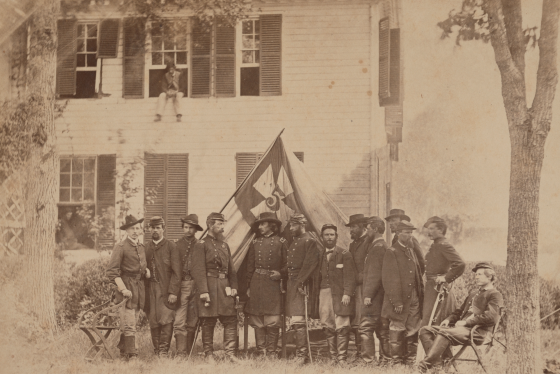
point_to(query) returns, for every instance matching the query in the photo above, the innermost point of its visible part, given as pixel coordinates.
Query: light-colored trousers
(330, 320)
(162, 101)
(186, 316)
(413, 320)
(128, 321)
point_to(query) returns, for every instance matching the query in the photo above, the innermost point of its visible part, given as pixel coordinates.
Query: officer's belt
(216, 275)
(263, 271)
(136, 276)
(293, 273)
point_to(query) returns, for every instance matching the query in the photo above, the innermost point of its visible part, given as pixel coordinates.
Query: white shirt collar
(132, 240)
(159, 241)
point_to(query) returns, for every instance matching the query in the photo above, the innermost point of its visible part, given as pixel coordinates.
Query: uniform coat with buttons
(303, 260)
(339, 274)
(373, 285)
(266, 253)
(400, 274)
(163, 257)
(213, 271)
(441, 259)
(128, 261)
(185, 247)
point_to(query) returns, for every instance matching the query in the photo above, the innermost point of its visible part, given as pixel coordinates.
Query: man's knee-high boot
(130, 347)
(230, 340)
(357, 342)
(190, 341)
(272, 335)
(331, 343)
(411, 349)
(433, 357)
(208, 340)
(156, 332)
(121, 347)
(165, 339)
(342, 338)
(398, 345)
(181, 344)
(382, 333)
(368, 343)
(260, 340)
(302, 352)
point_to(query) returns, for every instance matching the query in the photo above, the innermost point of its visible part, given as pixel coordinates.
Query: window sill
(212, 99)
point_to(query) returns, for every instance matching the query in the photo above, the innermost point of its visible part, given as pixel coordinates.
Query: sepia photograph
(279, 186)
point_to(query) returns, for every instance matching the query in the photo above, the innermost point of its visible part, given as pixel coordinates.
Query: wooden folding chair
(489, 341)
(93, 322)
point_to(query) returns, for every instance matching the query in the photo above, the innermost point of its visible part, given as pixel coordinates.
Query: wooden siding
(325, 107)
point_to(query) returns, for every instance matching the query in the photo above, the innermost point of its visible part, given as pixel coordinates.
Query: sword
(283, 310)
(306, 297)
(441, 295)
(195, 336)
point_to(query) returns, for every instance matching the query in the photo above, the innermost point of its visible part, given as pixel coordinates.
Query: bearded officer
(165, 285)
(126, 268)
(303, 260)
(266, 266)
(338, 283)
(186, 317)
(216, 281)
(359, 249)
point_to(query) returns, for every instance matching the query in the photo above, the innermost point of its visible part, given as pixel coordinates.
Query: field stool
(497, 334)
(98, 323)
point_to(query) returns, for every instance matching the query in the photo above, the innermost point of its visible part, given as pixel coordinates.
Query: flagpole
(247, 177)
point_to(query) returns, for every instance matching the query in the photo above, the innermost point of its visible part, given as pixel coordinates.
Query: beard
(156, 236)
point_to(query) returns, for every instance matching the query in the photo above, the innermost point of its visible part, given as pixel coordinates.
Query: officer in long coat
(266, 266)
(216, 281)
(337, 286)
(187, 316)
(373, 294)
(303, 260)
(359, 249)
(404, 293)
(127, 269)
(443, 266)
(164, 286)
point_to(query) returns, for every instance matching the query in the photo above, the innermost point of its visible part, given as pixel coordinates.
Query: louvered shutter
(395, 68)
(106, 194)
(225, 59)
(154, 186)
(133, 57)
(177, 170)
(384, 60)
(66, 58)
(244, 164)
(200, 60)
(108, 38)
(271, 55)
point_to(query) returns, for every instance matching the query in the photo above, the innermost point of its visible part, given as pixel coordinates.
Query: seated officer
(481, 307)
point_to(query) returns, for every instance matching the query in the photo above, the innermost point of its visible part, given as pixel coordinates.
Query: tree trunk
(522, 295)
(42, 167)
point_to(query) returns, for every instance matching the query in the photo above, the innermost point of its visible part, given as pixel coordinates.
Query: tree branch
(513, 82)
(513, 22)
(547, 73)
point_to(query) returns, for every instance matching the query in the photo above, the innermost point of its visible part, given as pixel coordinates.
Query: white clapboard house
(328, 71)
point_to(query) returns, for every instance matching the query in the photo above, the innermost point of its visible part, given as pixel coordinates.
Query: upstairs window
(250, 58)
(169, 44)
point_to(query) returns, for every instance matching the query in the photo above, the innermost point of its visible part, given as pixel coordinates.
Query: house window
(169, 44)
(245, 161)
(250, 57)
(87, 191)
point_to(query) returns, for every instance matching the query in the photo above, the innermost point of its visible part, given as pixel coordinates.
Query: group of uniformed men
(366, 289)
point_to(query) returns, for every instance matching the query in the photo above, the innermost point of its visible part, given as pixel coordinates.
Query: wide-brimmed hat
(432, 220)
(156, 220)
(482, 265)
(130, 221)
(397, 213)
(404, 225)
(216, 217)
(192, 219)
(298, 218)
(357, 218)
(266, 217)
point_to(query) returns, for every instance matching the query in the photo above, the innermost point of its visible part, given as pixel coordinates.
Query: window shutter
(200, 60)
(176, 192)
(384, 60)
(154, 186)
(395, 67)
(133, 57)
(394, 123)
(108, 38)
(66, 58)
(225, 59)
(271, 55)
(244, 165)
(106, 194)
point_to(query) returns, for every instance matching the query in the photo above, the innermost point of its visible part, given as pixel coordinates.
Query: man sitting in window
(171, 88)
(481, 307)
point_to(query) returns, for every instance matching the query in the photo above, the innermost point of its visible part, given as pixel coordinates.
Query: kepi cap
(298, 218)
(432, 220)
(216, 217)
(329, 226)
(404, 225)
(482, 265)
(156, 220)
